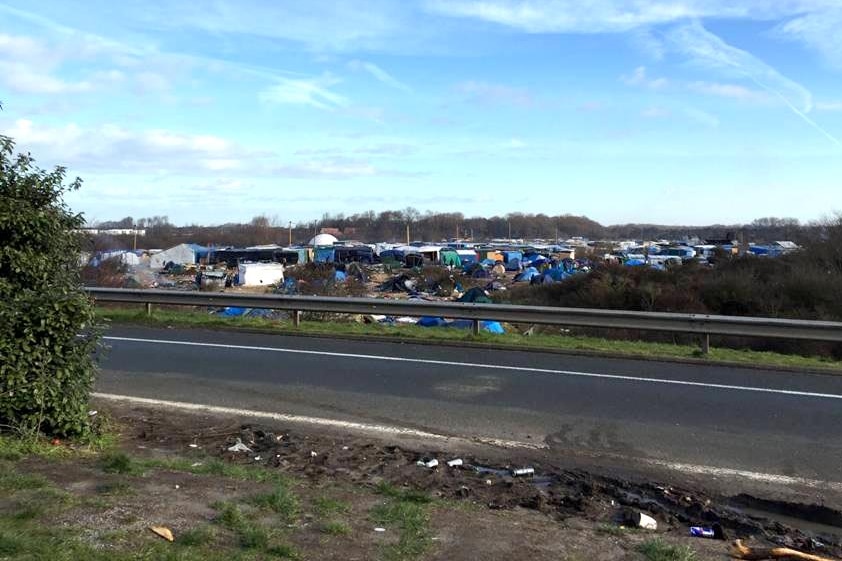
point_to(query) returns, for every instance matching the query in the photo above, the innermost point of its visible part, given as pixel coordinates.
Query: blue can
(702, 532)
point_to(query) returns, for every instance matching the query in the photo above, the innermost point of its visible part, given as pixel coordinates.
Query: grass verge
(615, 347)
(408, 512)
(658, 550)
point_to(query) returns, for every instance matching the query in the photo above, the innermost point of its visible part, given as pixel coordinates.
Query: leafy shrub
(48, 332)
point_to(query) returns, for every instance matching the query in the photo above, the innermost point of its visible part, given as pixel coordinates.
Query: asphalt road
(742, 419)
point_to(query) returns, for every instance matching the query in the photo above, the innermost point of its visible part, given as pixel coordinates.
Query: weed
(283, 551)
(411, 518)
(404, 495)
(325, 506)
(120, 462)
(253, 536)
(201, 535)
(658, 550)
(281, 501)
(220, 468)
(11, 546)
(230, 516)
(28, 512)
(11, 480)
(336, 528)
(115, 488)
(612, 530)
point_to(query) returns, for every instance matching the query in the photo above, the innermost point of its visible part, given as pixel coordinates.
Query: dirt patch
(559, 495)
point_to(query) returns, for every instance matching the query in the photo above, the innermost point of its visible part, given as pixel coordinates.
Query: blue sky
(684, 111)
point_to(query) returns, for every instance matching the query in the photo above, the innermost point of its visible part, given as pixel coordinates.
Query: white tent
(260, 274)
(182, 254)
(323, 239)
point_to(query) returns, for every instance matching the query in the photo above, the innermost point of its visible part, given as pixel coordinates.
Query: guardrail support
(705, 343)
(149, 309)
(475, 327)
(296, 318)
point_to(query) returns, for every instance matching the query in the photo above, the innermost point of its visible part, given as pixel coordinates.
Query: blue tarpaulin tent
(527, 274)
(324, 255)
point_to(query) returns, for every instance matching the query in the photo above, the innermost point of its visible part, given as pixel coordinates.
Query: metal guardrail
(703, 325)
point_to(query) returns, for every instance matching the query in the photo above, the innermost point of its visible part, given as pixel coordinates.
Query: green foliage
(336, 528)
(281, 501)
(658, 550)
(48, 330)
(120, 462)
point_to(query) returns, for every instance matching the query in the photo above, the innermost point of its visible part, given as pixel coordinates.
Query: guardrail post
(296, 318)
(475, 326)
(705, 343)
(149, 309)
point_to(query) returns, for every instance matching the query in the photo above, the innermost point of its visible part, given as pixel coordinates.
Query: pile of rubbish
(556, 491)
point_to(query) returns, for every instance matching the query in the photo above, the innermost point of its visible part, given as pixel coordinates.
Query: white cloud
(515, 144)
(493, 94)
(640, 78)
(733, 91)
(313, 91)
(819, 31)
(611, 16)
(335, 169)
(379, 74)
(829, 106)
(709, 50)
(113, 148)
(706, 49)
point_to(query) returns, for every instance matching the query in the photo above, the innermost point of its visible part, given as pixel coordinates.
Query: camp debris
(740, 551)
(638, 519)
(489, 326)
(163, 532)
(239, 447)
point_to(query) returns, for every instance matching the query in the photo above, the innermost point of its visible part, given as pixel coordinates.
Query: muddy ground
(484, 512)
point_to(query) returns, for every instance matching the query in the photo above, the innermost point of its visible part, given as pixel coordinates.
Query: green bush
(48, 331)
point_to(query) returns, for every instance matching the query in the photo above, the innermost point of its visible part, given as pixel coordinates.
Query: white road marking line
(752, 475)
(500, 443)
(318, 421)
(485, 366)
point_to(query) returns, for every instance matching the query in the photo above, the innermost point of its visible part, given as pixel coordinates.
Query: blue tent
(431, 322)
(634, 262)
(527, 274)
(513, 265)
(324, 255)
(556, 274)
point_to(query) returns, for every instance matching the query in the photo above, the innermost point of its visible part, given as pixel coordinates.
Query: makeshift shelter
(182, 254)
(449, 258)
(467, 256)
(527, 275)
(259, 274)
(322, 239)
(431, 253)
(490, 254)
(475, 296)
(509, 256)
(414, 260)
(513, 265)
(324, 255)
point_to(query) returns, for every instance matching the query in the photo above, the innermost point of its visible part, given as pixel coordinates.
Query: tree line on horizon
(392, 226)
